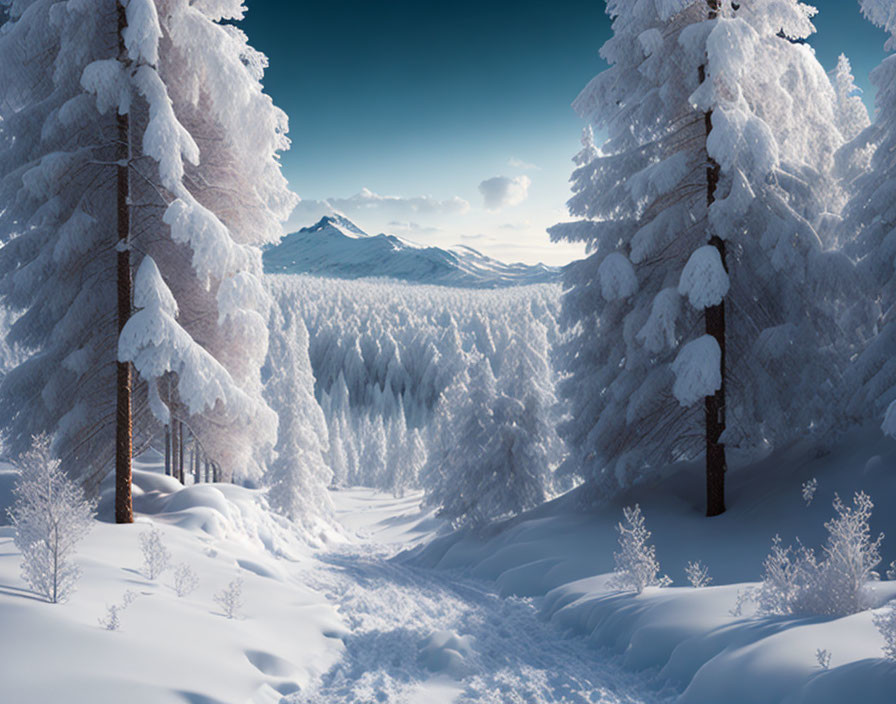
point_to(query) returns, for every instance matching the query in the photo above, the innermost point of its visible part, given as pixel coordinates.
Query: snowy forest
(663, 472)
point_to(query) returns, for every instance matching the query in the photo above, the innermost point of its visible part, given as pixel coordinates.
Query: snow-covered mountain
(338, 248)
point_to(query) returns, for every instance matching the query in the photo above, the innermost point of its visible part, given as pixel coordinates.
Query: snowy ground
(391, 607)
(171, 650)
(562, 555)
(416, 635)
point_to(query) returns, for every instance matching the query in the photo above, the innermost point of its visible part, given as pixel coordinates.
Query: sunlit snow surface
(424, 636)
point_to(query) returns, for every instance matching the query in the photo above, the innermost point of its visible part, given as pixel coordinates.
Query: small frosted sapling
(50, 516)
(697, 574)
(155, 555)
(112, 620)
(824, 658)
(185, 579)
(231, 599)
(636, 563)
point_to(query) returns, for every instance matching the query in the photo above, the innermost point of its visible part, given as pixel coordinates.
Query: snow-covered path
(418, 635)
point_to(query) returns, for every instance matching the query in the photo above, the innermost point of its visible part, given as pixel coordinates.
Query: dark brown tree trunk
(167, 449)
(124, 512)
(716, 464)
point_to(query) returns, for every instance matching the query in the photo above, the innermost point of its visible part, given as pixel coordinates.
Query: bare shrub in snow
(231, 599)
(797, 582)
(112, 620)
(185, 579)
(850, 556)
(809, 489)
(824, 658)
(891, 570)
(50, 516)
(636, 563)
(886, 624)
(697, 574)
(155, 555)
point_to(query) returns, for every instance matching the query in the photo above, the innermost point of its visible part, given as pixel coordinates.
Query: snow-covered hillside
(338, 248)
(695, 639)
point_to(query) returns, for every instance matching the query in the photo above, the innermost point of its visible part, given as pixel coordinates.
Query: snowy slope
(562, 554)
(338, 248)
(170, 649)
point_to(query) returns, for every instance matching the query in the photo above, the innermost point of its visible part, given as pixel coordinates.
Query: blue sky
(400, 110)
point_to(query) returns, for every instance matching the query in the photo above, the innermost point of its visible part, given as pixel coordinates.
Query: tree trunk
(180, 452)
(168, 449)
(716, 464)
(124, 512)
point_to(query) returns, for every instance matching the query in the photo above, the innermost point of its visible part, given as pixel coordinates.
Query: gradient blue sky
(421, 102)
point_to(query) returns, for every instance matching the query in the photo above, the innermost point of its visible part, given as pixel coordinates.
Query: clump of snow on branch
(50, 516)
(637, 566)
(704, 280)
(697, 370)
(156, 344)
(617, 277)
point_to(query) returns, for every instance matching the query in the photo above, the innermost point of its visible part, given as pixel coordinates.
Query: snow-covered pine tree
(297, 479)
(704, 282)
(869, 227)
(850, 113)
(458, 462)
(526, 420)
(492, 452)
(204, 188)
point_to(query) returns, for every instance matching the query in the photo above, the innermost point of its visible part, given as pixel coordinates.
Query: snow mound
(562, 554)
(336, 247)
(221, 511)
(446, 652)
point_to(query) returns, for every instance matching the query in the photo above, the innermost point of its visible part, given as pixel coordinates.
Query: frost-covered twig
(809, 489)
(231, 599)
(112, 620)
(886, 624)
(155, 555)
(185, 579)
(697, 574)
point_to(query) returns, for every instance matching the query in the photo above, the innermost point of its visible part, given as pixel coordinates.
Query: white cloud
(412, 228)
(397, 208)
(515, 163)
(502, 191)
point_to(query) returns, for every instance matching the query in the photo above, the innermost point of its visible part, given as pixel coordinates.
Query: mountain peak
(336, 247)
(338, 222)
